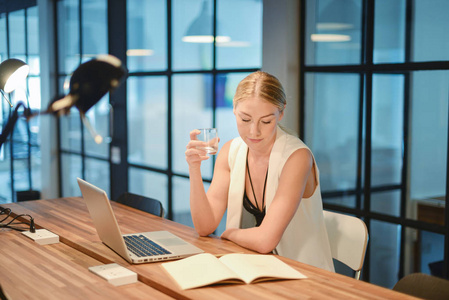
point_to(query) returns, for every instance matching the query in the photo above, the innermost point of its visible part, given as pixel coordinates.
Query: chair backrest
(348, 237)
(149, 205)
(423, 286)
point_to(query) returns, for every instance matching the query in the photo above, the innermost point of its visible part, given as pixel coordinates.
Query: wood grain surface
(69, 218)
(32, 271)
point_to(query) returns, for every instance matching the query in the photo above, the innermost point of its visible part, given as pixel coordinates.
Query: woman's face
(257, 121)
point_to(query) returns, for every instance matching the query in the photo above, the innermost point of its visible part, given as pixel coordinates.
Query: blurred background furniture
(423, 286)
(146, 204)
(429, 210)
(28, 195)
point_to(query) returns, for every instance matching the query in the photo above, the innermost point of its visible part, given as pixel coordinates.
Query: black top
(258, 213)
(249, 207)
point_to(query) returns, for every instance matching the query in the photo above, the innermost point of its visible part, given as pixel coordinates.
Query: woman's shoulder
(235, 144)
(223, 154)
(227, 148)
(291, 143)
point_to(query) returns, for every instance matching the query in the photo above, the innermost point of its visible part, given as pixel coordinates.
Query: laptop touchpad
(171, 242)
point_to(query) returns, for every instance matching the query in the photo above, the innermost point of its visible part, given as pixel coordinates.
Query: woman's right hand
(195, 156)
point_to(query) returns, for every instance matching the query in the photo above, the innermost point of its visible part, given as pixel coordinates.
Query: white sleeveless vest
(305, 238)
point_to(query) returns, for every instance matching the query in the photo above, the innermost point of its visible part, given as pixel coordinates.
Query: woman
(266, 179)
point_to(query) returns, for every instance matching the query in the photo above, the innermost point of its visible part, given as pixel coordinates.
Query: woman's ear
(281, 115)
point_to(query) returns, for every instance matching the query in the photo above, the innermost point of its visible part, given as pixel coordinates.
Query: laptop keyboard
(141, 246)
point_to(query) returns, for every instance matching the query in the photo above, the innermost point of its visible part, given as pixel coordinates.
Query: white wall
(281, 52)
(49, 154)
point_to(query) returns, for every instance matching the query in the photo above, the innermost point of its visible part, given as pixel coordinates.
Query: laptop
(136, 248)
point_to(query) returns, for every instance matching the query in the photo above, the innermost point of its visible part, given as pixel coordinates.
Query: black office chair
(423, 286)
(28, 195)
(149, 205)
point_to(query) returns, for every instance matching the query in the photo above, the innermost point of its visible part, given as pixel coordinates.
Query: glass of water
(210, 137)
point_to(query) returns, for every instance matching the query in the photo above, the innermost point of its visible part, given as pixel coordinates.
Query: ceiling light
(330, 38)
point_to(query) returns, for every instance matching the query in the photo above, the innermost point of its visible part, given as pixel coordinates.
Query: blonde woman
(266, 179)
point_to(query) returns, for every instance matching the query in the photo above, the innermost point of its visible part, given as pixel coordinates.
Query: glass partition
(333, 32)
(332, 118)
(192, 101)
(430, 41)
(147, 121)
(389, 31)
(239, 31)
(146, 35)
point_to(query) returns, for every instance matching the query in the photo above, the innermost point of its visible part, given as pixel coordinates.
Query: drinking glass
(210, 136)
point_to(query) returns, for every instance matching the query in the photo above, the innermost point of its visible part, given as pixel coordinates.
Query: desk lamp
(12, 73)
(88, 84)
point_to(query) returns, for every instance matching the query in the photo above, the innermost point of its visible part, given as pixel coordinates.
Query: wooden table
(57, 271)
(69, 218)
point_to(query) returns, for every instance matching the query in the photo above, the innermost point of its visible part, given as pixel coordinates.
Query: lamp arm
(7, 129)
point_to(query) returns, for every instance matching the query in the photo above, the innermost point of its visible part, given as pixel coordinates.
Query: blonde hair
(262, 85)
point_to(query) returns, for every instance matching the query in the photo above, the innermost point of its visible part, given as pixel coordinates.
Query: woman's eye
(245, 120)
(266, 122)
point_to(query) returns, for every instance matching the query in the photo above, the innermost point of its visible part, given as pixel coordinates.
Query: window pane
(239, 34)
(68, 35)
(431, 248)
(97, 173)
(331, 123)
(98, 117)
(35, 134)
(428, 135)
(71, 169)
(333, 32)
(225, 118)
(20, 165)
(386, 202)
(387, 126)
(149, 184)
(20, 155)
(34, 94)
(192, 38)
(36, 174)
(181, 201)
(192, 108)
(94, 28)
(71, 131)
(33, 40)
(346, 200)
(147, 35)
(430, 41)
(17, 34)
(389, 31)
(5, 171)
(3, 43)
(147, 121)
(384, 241)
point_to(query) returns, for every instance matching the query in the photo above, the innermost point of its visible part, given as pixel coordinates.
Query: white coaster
(115, 274)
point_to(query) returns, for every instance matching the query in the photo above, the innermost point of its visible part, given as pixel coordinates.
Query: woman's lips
(254, 140)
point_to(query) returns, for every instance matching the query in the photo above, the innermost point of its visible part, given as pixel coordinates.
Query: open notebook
(138, 247)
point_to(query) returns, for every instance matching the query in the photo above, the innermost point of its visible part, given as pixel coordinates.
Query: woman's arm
(292, 184)
(207, 209)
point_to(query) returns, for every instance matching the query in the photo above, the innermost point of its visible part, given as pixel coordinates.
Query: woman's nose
(255, 130)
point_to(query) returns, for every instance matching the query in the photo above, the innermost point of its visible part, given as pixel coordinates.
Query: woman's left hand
(228, 233)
